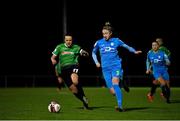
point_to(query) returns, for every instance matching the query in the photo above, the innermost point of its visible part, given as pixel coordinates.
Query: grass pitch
(32, 103)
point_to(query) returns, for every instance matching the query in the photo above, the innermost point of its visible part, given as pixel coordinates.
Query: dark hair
(108, 26)
(68, 34)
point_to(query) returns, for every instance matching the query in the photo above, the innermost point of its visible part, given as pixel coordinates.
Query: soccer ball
(54, 107)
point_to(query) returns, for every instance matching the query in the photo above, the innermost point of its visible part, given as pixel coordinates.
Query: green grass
(32, 103)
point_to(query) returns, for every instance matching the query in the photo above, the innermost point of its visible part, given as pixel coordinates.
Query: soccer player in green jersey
(154, 83)
(67, 55)
(162, 47)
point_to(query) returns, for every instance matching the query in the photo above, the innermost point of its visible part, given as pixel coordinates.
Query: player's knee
(74, 78)
(60, 80)
(162, 81)
(115, 80)
(155, 82)
(73, 88)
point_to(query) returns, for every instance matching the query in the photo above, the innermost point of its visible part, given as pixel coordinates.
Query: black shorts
(66, 74)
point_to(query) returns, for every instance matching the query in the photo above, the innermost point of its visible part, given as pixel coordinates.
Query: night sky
(31, 30)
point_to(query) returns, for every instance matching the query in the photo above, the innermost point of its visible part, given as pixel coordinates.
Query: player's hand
(98, 65)
(138, 52)
(148, 71)
(53, 61)
(84, 53)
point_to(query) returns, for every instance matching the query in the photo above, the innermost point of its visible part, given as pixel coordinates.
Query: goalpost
(64, 18)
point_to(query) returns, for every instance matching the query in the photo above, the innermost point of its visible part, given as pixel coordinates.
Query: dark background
(30, 30)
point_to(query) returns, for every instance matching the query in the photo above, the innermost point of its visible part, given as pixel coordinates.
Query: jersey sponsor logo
(156, 60)
(66, 53)
(108, 49)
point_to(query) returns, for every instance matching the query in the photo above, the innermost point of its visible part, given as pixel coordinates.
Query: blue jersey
(159, 60)
(109, 51)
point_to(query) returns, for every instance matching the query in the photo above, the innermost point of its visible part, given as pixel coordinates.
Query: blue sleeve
(148, 67)
(95, 49)
(129, 48)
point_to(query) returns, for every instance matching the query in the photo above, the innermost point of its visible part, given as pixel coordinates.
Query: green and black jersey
(67, 55)
(163, 48)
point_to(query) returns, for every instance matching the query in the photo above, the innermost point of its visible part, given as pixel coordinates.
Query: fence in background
(90, 81)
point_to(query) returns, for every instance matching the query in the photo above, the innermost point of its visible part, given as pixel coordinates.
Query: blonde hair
(108, 27)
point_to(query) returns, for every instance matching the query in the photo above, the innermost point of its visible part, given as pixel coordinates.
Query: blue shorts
(161, 73)
(110, 72)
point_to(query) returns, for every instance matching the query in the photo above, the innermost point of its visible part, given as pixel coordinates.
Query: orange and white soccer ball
(54, 107)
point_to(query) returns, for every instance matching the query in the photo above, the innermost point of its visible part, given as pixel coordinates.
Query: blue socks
(118, 95)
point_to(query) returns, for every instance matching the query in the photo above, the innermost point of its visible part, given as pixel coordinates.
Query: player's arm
(168, 52)
(53, 59)
(167, 60)
(94, 56)
(148, 65)
(131, 49)
(163, 48)
(55, 54)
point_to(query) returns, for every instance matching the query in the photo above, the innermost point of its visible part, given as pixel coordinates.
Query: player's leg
(80, 92)
(154, 86)
(166, 78)
(116, 74)
(76, 82)
(150, 96)
(60, 82)
(168, 85)
(118, 93)
(71, 81)
(59, 76)
(165, 89)
(114, 88)
(168, 91)
(123, 83)
(59, 79)
(108, 79)
(155, 83)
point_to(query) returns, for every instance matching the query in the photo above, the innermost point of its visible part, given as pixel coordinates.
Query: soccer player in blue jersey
(111, 62)
(159, 61)
(154, 85)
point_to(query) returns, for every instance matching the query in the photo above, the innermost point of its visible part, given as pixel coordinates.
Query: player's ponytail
(108, 27)
(108, 24)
